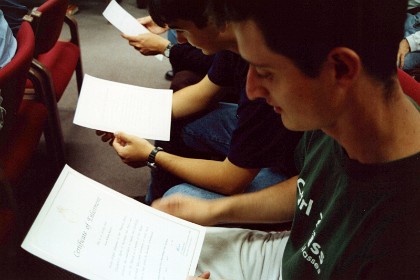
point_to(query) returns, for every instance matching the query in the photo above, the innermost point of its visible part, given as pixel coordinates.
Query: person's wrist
(151, 159)
(167, 51)
(164, 45)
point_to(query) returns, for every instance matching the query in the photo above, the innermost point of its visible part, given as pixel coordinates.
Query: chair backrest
(13, 76)
(49, 19)
(409, 85)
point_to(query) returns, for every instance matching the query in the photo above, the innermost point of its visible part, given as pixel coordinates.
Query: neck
(374, 129)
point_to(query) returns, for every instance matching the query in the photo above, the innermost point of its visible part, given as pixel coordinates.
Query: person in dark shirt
(235, 136)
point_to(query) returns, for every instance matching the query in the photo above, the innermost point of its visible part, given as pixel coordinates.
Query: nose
(254, 88)
(181, 38)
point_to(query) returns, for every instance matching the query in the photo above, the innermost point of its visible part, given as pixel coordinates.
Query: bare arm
(195, 98)
(218, 176)
(271, 205)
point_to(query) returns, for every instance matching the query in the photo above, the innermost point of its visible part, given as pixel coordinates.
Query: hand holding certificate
(111, 106)
(98, 233)
(124, 22)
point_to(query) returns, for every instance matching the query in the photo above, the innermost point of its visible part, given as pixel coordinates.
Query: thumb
(122, 138)
(144, 20)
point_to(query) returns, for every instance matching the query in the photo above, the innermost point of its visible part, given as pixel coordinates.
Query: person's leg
(232, 253)
(265, 178)
(172, 36)
(411, 61)
(212, 133)
(191, 190)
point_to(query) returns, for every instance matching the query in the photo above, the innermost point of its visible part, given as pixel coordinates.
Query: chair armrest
(74, 30)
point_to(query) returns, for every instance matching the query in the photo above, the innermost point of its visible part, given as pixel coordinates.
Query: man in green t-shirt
(328, 68)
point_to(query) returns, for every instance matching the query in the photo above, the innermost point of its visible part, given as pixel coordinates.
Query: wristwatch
(167, 50)
(151, 159)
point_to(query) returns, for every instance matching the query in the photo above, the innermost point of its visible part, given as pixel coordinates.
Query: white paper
(111, 106)
(98, 233)
(125, 22)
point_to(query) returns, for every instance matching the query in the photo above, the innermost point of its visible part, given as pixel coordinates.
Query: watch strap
(167, 50)
(151, 159)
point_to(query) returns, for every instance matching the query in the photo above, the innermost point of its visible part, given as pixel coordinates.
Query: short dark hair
(164, 12)
(307, 30)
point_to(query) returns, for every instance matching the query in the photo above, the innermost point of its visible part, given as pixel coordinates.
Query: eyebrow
(260, 65)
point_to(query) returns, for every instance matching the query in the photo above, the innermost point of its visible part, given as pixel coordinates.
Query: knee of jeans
(190, 190)
(411, 61)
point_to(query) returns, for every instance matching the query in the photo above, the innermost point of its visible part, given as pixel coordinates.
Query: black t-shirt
(260, 140)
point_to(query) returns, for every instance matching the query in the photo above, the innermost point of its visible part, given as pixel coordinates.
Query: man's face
(208, 39)
(304, 103)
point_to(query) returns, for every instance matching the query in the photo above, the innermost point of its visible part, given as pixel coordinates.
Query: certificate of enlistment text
(98, 233)
(111, 106)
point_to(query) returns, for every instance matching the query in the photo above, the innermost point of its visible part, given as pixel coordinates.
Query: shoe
(169, 75)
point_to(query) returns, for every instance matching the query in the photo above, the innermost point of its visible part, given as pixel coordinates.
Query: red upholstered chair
(25, 119)
(410, 86)
(9, 228)
(61, 58)
(54, 63)
(23, 126)
(415, 74)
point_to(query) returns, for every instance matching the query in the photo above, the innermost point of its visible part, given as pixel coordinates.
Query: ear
(346, 64)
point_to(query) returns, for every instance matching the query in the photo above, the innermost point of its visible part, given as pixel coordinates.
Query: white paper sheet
(125, 22)
(111, 106)
(98, 233)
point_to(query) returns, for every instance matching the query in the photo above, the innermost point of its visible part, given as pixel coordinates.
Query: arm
(218, 176)
(409, 44)
(270, 205)
(195, 98)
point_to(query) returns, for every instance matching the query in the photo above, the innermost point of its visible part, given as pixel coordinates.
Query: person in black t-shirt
(245, 147)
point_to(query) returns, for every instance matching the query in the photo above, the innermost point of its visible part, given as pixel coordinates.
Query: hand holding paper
(124, 22)
(111, 106)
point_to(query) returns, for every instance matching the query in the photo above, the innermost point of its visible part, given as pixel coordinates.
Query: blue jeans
(172, 36)
(265, 178)
(208, 136)
(412, 25)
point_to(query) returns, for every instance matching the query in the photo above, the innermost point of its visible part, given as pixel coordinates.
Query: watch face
(167, 52)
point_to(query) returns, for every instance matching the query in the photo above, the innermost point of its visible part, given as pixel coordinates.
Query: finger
(106, 137)
(128, 37)
(119, 140)
(99, 132)
(205, 275)
(402, 61)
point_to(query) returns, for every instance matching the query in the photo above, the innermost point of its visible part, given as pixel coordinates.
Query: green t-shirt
(353, 221)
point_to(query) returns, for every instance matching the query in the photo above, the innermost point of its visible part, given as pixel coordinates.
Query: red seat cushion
(410, 86)
(23, 139)
(61, 61)
(7, 223)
